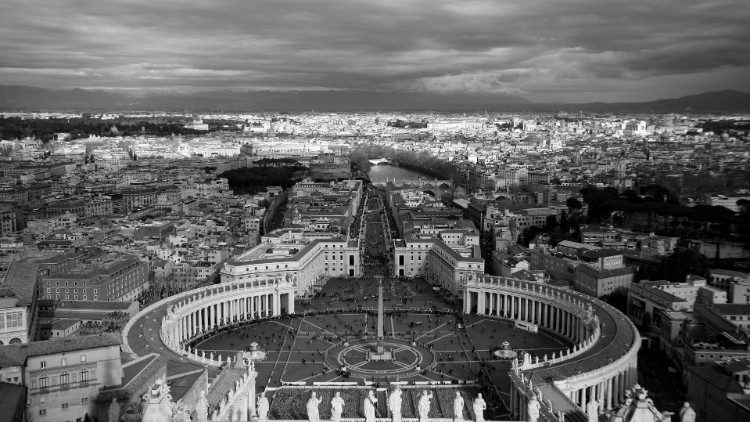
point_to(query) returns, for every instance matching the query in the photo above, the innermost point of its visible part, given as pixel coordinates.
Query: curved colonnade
(196, 313)
(602, 364)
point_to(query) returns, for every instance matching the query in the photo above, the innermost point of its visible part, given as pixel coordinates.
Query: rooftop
(11, 397)
(21, 278)
(617, 335)
(16, 354)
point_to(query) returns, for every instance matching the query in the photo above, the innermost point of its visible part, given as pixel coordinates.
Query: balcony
(63, 387)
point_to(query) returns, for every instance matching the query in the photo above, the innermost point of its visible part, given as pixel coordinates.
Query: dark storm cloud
(537, 48)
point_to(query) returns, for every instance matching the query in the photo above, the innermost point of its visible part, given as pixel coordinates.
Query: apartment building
(63, 376)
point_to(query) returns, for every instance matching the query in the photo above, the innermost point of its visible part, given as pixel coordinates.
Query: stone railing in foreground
(547, 410)
(403, 420)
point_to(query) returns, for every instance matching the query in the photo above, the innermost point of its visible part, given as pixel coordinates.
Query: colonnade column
(527, 311)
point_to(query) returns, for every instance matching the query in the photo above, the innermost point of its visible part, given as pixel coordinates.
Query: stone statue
(369, 406)
(337, 407)
(312, 408)
(263, 407)
(687, 414)
(394, 405)
(638, 407)
(526, 361)
(424, 406)
(180, 415)
(479, 407)
(592, 410)
(532, 409)
(131, 415)
(458, 407)
(201, 408)
(113, 415)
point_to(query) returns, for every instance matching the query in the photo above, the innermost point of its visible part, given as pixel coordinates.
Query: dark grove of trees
(657, 200)
(45, 129)
(675, 267)
(404, 124)
(731, 126)
(618, 299)
(254, 179)
(421, 162)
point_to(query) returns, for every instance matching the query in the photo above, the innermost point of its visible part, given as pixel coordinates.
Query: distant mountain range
(14, 97)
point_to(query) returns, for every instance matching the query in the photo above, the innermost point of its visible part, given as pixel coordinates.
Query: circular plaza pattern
(430, 341)
(354, 357)
(584, 346)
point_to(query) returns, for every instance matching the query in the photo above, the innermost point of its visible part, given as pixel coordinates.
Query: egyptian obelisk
(380, 353)
(380, 309)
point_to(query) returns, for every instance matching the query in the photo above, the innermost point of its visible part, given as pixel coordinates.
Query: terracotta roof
(11, 398)
(732, 308)
(16, 354)
(600, 253)
(593, 272)
(22, 279)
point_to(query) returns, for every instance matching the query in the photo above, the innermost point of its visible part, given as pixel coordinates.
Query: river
(385, 172)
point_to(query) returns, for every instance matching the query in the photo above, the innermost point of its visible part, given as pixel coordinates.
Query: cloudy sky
(550, 50)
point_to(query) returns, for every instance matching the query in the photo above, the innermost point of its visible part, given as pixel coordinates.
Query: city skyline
(573, 52)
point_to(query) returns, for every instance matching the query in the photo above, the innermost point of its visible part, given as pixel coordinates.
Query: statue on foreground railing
(532, 409)
(394, 404)
(369, 406)
(312, 408)
(337, 407)
(479, 407)
(687, 414)
(639, 408)
(592, 410)
(263, 407)
(424, 406)
(458, 407)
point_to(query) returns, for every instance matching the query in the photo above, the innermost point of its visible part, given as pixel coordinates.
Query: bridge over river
(384, 173)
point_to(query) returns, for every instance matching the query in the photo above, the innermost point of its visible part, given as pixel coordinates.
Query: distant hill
(719, 101)
(13, 97)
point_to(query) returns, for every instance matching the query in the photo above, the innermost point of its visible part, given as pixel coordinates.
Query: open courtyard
(331, 338)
